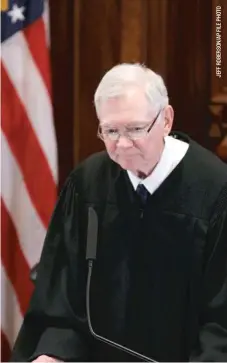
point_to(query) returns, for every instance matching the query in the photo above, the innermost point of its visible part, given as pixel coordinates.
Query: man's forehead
(131, 96)
(128, 108)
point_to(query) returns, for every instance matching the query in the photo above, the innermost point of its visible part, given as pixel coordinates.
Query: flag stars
(16, 13)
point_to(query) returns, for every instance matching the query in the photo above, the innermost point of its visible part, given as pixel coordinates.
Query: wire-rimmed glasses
(130, 132)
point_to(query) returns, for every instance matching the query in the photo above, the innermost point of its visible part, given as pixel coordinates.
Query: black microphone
(92, 239)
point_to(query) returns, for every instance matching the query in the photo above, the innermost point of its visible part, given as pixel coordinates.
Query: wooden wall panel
(189, 64)
(133, 31)
(219, 84)
(61, 18)
(218, 99)
(157, 29)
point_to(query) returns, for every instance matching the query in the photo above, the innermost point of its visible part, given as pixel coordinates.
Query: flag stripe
(33, 94)
(11, 317)
(36, 44)
(14, 260)
(30, 229)
(15, 122)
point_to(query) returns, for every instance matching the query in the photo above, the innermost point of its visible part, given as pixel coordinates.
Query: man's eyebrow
(137, 123)
(108, 126)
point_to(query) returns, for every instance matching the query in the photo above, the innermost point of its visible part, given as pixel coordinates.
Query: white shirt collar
(173, 153)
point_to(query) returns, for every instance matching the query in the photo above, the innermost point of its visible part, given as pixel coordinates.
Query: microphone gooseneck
(92, 239)
(99, 337)
(92, 234)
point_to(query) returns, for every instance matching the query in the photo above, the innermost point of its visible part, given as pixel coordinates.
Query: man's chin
(128, 164)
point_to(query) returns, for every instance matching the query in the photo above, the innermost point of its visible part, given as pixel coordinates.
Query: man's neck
(147, 170)
(144, 174)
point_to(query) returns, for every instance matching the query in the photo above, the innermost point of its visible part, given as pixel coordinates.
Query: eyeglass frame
(150, 126)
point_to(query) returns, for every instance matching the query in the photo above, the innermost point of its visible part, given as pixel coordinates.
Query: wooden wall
(218, 102)
(173, 37)
(63, 65)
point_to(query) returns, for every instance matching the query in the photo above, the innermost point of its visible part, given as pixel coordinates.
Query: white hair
(117, 80)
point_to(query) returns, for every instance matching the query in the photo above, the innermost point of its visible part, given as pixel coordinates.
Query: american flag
(29, 156)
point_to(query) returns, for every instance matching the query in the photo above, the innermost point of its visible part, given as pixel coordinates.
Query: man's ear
(169, 116)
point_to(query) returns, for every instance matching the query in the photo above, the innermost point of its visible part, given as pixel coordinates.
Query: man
(159, 282)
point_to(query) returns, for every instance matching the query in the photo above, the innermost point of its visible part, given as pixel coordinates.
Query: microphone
(92, 240)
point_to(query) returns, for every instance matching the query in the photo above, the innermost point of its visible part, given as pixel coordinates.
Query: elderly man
(159, 283)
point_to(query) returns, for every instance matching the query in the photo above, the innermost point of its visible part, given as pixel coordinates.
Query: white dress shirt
(173, 153)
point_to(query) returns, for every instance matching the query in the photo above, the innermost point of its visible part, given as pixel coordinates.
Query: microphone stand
(91, 256)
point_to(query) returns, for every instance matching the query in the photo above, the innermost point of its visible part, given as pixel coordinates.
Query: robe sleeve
(54, 323)
(212, 340)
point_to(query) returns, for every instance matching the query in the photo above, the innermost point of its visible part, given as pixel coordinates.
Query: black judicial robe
(159, 283)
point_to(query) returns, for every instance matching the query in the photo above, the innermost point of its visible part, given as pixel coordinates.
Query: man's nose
(124, 142)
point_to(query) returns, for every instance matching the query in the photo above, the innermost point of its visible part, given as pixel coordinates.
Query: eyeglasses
(132, 132)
